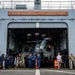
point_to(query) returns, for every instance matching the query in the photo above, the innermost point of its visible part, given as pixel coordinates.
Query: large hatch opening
(47, 41)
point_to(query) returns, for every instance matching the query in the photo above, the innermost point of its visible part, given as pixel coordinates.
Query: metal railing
(58, 5)
(44, 4)
(12, 4)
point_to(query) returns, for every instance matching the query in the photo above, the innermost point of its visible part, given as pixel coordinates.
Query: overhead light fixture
(28, 35)
(36, 34)
(43, 35)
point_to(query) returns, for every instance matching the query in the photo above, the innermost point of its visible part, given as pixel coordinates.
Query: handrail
(44, 4)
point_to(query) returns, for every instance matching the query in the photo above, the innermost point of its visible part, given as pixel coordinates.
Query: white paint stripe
(61, 71)
(37, 72)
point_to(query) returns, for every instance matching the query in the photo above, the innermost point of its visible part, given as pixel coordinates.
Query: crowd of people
(33, 60)
(6, 61)
(19, 61)
(63, 60)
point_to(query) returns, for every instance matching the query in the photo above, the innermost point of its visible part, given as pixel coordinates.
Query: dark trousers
(7, 64)
(30, 64)
(38, 64)
(73, 64)
(33, 64)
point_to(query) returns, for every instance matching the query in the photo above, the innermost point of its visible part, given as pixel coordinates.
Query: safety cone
(36, 65)
(55, 64)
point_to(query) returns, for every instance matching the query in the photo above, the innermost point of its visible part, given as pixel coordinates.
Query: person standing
(11, 61)
(72, 58)
(30, 60)
(7, 61)
(38, 59)
(19, 61)
(0, 61)
(33, 61)
(59, 59)
(15, 62)
(3, 61)
(23, 60)
(64, 59)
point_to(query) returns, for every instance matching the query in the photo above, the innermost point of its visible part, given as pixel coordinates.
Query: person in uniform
(72, 58)
(30, 60)
(33, 61)
(11, 61)
(3, 61)
(64, 59)
(0, 61)
(7, 61)
(23, 60)
(38, 58)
